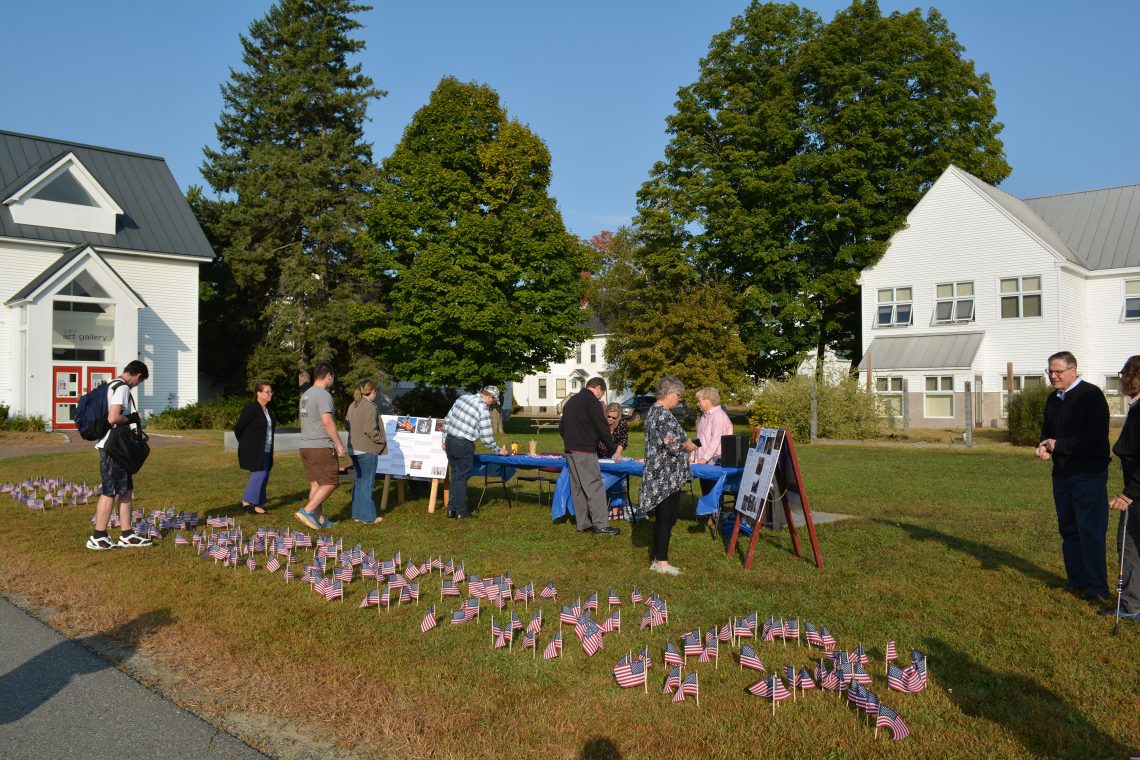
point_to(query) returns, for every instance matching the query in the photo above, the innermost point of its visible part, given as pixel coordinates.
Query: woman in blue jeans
(366, 442)
(254, 433)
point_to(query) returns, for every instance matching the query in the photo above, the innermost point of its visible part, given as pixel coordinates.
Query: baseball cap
(492, 391)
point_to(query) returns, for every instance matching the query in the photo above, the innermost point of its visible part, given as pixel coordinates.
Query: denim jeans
(258, 480)
(364, 468)
(461, 457)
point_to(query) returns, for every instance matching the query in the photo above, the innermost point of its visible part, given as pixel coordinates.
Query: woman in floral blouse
(666, 469)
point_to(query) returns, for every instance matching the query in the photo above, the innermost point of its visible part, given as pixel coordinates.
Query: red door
(97, 376)
(66, 390)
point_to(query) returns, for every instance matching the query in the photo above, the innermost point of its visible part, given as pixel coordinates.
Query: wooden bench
(544, 424)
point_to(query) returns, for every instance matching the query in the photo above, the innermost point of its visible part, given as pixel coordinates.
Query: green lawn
(951, 551)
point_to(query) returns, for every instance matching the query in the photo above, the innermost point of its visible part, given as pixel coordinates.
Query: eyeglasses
(611, 416)
(1058, 372)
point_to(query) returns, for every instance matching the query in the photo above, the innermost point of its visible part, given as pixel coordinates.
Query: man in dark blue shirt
(1075, 437)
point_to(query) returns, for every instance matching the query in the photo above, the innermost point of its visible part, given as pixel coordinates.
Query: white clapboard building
(543, 392)
(100, 256)
(981, 286)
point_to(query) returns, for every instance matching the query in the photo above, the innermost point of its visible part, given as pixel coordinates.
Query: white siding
(525, 391)
(20, 265)
(1111, 339)
(168, 327)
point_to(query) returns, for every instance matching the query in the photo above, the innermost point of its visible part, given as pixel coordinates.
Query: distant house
(544, 392)
(100, 267)
(983, 287)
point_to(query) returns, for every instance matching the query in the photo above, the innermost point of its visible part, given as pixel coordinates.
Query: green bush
(203, 415)
(844, 410)
(21, 424)
(1026, 414)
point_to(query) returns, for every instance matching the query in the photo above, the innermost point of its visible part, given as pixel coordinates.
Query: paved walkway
(71, 442)
(58, 700)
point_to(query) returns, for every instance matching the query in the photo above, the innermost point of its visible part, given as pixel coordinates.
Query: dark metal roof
(1103, 226)
(60, 263)
(156, 218)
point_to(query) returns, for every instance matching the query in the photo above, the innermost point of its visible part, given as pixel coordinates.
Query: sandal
(252, 509)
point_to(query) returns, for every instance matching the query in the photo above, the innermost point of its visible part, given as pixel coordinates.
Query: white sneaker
(670, 570)
(134, 541)
(100, 544)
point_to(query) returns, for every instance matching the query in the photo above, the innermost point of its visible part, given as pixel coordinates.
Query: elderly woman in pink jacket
(714, 423)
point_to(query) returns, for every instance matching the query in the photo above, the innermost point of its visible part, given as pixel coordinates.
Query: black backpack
(91, 412)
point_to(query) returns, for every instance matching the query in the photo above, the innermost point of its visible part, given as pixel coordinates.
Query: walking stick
(1120, 577)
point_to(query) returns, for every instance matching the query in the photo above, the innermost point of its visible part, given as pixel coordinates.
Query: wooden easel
(787, 480)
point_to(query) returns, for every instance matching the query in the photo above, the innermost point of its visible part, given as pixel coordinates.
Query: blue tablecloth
(613, 473)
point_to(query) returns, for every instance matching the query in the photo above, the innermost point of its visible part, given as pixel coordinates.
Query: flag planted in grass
(890, 719)
(688, 687)
(630, 674)
(554, 648)
(429, 620)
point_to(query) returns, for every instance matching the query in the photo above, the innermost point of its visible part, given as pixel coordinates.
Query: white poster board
(415, 448)
(759, 472)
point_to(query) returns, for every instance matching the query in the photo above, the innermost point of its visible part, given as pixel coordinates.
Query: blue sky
(594, 79)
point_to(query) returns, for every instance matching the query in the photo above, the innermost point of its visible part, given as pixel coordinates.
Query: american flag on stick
(630, 674)
(889, 718)
(549, 591)
(672, 680)
(672, 656)
(689, 686)
(554, 648)
(429, 620)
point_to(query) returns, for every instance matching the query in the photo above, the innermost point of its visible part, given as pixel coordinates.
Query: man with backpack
(117, 484)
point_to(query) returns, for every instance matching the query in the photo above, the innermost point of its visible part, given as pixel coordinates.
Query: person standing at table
(620, 432)
(666, 470)
(254, 433)
(468, 421)
(714, 424)
(1075, 437)
(583, 427)
(366, 442)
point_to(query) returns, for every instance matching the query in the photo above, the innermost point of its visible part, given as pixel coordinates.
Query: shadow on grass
(1043, 722)
(989, 557)
(599, 748)
(32, 683)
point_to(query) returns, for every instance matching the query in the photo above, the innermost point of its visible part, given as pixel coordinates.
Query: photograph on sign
(415, 448)
(760, 472)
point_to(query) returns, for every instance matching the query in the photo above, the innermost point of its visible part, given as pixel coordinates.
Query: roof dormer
(64, 195)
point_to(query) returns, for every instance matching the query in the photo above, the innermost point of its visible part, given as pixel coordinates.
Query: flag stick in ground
(797, 632)
(1119, 578)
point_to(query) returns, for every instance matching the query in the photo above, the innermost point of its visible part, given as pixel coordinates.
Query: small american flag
(812, 635)
(745, 628)
(859, 654)
(791, 630)
(554, 647)
(643, 656)
(826, 639)
(475, 587)
(251, 563)
(770, 688)
(858, 674)
(397, 581)
(460, 574)
(805, 681)
(612, 622)
(288, 574)
(892, 651)
(449, 588)
(412, 572)
(535, 624)
(429, 620)
(918, 660)
(592, 640)
(629, 674)
(334, 590)
(613, 599)
(749, 659)
(672, 656)
(691, 643)
(689, 686)
(857, 696)
(528, 641)
(592, 602)
(412, 590)
(567, 615)
(344, 574)
(371, 599)
(470, 608)
(549, 591)
(516, 623)
(672, 680)
(889, 718)
(635, 596)
(458, 617)
(180, 540)
(725, 632)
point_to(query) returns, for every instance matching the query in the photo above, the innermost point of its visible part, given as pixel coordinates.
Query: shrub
(1026, 414)
(21, 424)
(203, 415)
(844, 410)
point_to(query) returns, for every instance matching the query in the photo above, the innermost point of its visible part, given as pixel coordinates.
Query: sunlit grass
(950, 551)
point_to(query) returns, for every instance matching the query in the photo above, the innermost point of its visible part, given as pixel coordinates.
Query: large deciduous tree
(798, 153)
(670, 327)
(481, 279)
(294, 175)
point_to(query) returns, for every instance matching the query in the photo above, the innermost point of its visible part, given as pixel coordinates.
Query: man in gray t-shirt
(320, 447)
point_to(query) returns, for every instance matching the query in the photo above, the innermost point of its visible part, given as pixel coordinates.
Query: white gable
(65, 195)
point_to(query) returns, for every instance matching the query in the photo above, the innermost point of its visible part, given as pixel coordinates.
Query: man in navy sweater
(583, 425)
(1075, 437)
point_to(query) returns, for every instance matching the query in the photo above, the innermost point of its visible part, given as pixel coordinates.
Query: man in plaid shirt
(469, 420)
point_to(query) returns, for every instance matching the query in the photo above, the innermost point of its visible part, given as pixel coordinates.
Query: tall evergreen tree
(294, 175)
(798, 153)
(482, 281)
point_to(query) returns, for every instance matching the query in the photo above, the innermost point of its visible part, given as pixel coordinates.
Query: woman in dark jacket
(1127, 450)
(254, 431)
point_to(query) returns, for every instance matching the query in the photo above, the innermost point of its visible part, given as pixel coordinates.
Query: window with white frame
(1020, 383)
(593, 353)
(938, 399)
(578, 354)
(954, 302)
(1132, 299)
(888, 396)
(1117, 401)
(1020, 297)
(894, 307)
(542, 387)
(560, 388)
